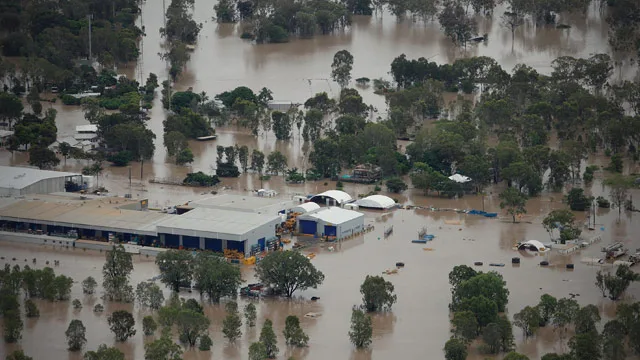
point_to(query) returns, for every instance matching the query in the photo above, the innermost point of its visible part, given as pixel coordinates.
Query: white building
(376, 202)
(17, 181)
(86, 133)
(333, 221)
(332, 197)
(305, 208)
(217, 229)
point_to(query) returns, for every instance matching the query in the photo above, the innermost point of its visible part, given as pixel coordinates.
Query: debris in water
(312, 315)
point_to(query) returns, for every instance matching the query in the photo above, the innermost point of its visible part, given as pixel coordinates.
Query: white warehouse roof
(376, 202)
(208, 222)
(305, 208)
(332, 215)
(12, 177)
(340, 196)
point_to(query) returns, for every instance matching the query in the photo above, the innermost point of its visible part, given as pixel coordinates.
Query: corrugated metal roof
(332, 215)
(250, 203)
(216, 221)
(87, 128)
(96, 214)
(20, 177)
(306, 207)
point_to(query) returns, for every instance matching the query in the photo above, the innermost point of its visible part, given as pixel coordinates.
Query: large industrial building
(217, 229)
(331, 222)
(110, 218)
(18, 181)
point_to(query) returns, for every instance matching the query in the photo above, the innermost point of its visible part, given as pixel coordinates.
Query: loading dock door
(308, 227)
(213, 244)
(330, 230)
(190, 242)
(262, 243)
(236, 245)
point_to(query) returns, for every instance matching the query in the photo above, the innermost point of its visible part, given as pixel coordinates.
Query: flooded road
(418, 325)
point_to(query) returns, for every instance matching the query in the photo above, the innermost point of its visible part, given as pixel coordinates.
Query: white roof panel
(305, 207)
(332, 215)
(12, 177)
(376, 202)
(216, 221)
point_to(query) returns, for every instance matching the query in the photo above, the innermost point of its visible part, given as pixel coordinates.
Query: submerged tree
(514, 201)
(288, 271)
(104, 353)
(121, 323)
(293, 333)
(269, 340)
(76, 335)
(116, 271)
(250, 314)
(377, 293)
(232, 323)
(341, 68)
(361, 329)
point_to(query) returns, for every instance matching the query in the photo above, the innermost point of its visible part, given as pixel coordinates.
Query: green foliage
(465, 326)
(459, 274)
(515, 356)
(175, 142)
(547, 307)
(215, 277)
(269, 340)
(19, 355)
(76, 304)
(456, 24)
(455, 349)
(293, 333)
(175, 267)
(577, 200)
(377, 294)
(565, 314)
(43, 157)
(200, 179)
(250, 314)
(276, 162)
(116, 271)
(89, 285)
(232, 323)
(514, 201)
(30, 309)
(121, 323)
(76, 335)
(396, 185)
(149, 295)
(149, 325)
(104, 353)
(288, 271)
(361, 329)
(528, 319)
(564, 221)
(163, 348)
(191, 326)
(586, 346)
(13, 325)
(185, 156)
(98, 308)
(586, 319)
(617, 284)
(489, 285)
(205, 343)
(341, 67)
(619, 186)
(257, 351)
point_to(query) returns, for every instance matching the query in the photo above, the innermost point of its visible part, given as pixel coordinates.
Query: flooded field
(418, 325)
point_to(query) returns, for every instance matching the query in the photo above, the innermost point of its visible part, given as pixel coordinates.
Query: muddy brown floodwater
(418, 326)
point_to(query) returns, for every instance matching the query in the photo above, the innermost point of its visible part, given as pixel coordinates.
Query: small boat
(421, 241)
(428, 249)
(428, 237)
(390, 271)
(491, 215)
(311, 256)
(206, 138)
(496, 264)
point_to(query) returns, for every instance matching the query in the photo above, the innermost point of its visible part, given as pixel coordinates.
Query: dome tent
(336, 196)
(376, 202)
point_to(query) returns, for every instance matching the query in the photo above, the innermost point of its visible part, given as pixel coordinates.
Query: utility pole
(90, 16)
(164, 14)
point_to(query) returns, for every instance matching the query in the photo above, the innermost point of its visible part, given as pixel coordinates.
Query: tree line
(50, 37)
